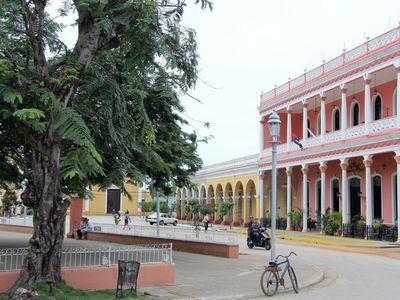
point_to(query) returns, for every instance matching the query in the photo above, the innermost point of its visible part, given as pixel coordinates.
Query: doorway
(355, 197)
(113, 200)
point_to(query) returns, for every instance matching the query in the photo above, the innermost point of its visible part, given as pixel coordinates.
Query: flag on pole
(296, 140)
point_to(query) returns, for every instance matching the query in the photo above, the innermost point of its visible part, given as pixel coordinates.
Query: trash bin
(128, 271)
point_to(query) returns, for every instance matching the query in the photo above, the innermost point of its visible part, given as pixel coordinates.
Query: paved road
(349, 274)
(359, 274)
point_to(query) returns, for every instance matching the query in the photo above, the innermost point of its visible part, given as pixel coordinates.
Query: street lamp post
(274, 125)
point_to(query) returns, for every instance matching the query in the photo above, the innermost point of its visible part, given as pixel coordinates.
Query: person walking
(127, 220)
(205, 222)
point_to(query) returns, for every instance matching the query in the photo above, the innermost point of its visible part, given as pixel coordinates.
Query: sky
(247, 47)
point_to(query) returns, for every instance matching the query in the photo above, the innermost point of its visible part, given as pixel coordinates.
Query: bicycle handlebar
(287, 256)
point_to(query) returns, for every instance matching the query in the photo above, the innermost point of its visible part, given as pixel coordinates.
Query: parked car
(165, 219)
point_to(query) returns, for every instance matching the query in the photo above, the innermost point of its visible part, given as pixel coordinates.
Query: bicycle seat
(271, 264)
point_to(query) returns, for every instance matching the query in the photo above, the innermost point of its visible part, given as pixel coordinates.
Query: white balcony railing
(331, 137)
(379, 42)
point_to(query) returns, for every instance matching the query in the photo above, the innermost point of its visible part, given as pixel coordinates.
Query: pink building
(345, 116)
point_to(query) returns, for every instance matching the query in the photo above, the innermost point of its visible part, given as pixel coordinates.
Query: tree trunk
(43, 194)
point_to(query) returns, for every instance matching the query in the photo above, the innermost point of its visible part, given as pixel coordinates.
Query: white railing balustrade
(11, 259)
(348, 133)
(379, 125)
(21, 221)
(378, 42)
(187, 233)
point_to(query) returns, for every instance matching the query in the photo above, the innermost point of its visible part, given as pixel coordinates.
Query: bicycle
(270, 278)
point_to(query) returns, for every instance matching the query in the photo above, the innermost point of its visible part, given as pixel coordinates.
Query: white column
(344, 165)
(288, 195)
(368, 200)
(289, 128)
(343, 112)
(397, 66)
(323, 115)
(261, 141)
(305, 118)
(261, 189)
(397, 158)
(367, 102)
(322, 168)
(304, 169)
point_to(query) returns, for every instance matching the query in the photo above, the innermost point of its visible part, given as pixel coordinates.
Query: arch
(219, 197)
(395, 102)
(250, 199)
(377, 103)
(335, 192)
(211, 200)
(377, 208)
(355, 113)
(354, 196)
(335, 119)
(203, 195)
(394, 198)
(319, 123)
(228, 195)
(238, 196)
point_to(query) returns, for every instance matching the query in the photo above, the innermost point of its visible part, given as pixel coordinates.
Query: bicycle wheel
(293, 279)
(269, 282)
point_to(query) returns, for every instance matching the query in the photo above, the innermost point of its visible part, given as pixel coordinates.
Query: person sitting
(79, 230)
(82, 232)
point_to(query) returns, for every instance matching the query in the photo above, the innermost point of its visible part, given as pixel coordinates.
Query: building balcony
(379, 130)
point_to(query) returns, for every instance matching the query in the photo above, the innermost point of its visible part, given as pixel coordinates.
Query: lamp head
(274, 126)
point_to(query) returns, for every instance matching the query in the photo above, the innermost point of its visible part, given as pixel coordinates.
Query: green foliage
(147, 206)
(331, 228)
(296, 216)
(225, 207)
(332, 222)
(377, 223)
(205, 209)
(9, 199)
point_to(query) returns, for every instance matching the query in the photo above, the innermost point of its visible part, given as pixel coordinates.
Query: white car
(165, 219)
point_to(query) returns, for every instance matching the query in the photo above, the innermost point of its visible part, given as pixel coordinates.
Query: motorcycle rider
(250, 226)
(255, 235)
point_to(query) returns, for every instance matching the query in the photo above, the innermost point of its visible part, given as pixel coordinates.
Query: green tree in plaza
(105, 111)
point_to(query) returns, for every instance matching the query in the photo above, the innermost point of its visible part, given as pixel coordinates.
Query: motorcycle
(264, 239)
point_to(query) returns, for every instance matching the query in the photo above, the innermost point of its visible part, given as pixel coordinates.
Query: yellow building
(235, 180)
(113, 199)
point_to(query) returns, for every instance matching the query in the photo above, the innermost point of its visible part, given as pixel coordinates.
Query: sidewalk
(201, 276)
(314, 237)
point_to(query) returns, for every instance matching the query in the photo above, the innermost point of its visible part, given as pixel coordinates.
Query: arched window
(308, 127)
(319, 124)
(355, 114)
(377, 105)
(335, 119)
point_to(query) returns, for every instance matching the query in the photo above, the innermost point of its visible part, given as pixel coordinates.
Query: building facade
(113, 199)
(234, 180)
(344, 118)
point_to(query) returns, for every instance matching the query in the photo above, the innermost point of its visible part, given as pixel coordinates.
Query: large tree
(103, 112)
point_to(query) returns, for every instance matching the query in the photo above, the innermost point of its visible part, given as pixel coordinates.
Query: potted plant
(337, 219)
(297, 218)
(291, 215)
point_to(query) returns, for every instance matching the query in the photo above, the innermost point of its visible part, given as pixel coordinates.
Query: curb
(317, 279)
(329, 243)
